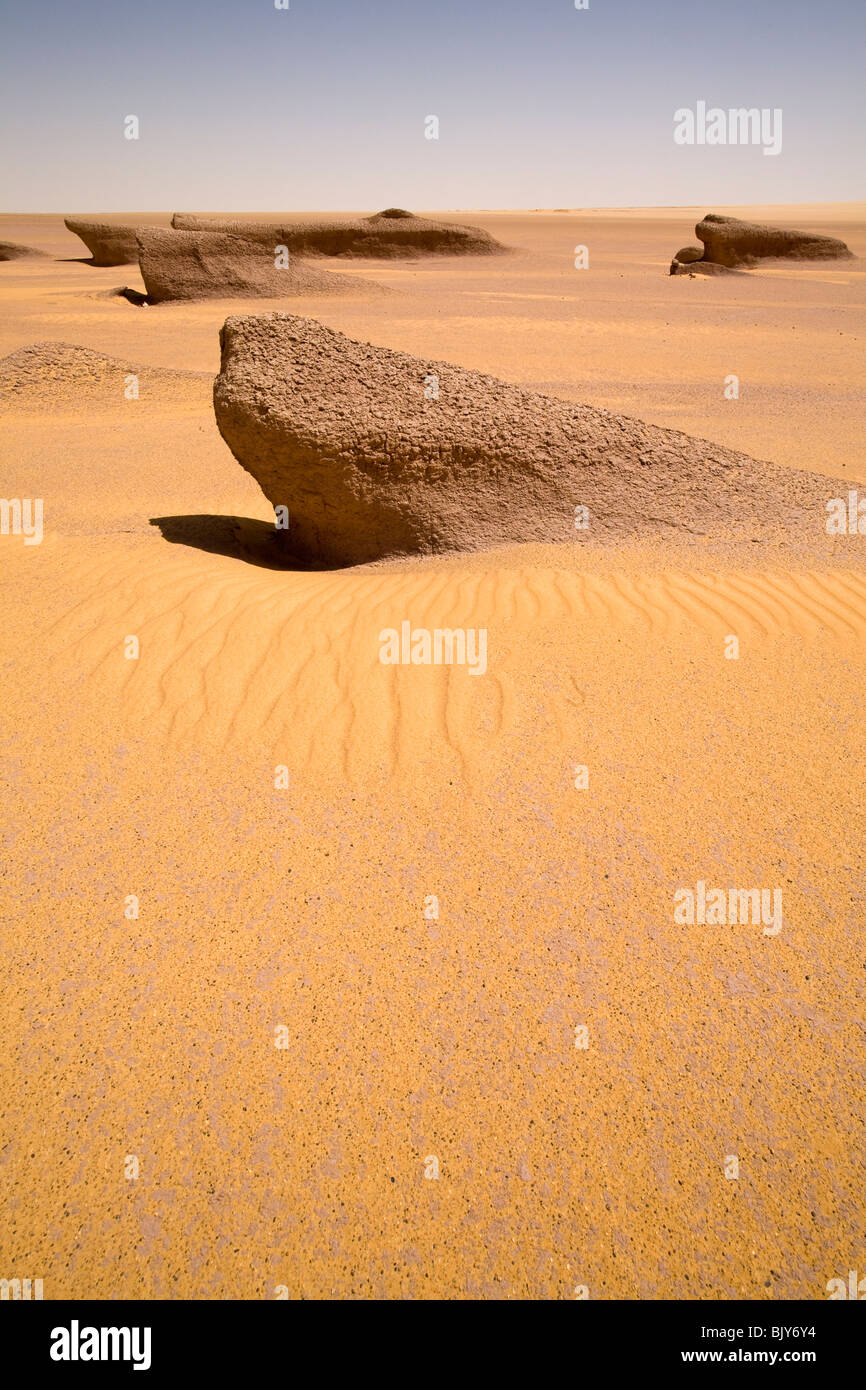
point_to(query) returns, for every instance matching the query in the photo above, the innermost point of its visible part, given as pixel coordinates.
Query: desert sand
(331, 1084)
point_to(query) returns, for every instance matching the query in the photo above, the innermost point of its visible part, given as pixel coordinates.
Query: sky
(324, 105)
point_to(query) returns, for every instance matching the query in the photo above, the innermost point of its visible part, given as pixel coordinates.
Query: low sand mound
(213, 265)
(730, 242)
(13, 251)
(377, 453)
(389, 234)
(700, 267)
(53, 377)
(108, 244)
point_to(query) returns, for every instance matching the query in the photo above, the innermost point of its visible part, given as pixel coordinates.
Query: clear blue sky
(246, 107)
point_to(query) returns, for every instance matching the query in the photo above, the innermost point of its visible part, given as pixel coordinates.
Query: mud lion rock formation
(211, 265)
(392, 233)
(372, 461)
(728, 242)
(108, 244)
(14, 251)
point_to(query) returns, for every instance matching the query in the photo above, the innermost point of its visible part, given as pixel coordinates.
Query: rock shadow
(240, 537)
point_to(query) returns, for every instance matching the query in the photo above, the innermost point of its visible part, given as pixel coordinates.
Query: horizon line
(599, 207)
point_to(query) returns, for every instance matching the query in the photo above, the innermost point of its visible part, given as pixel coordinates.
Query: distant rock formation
(108, 244)
(730, 242)
(14, 251)
(211, 265)
(376, 453)
(389, 234)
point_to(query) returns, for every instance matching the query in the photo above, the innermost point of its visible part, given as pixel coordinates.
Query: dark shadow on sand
(134, 296)
(240, 537)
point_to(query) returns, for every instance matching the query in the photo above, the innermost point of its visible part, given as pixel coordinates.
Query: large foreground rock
(108, 244)
(730, 242)
(369, 463)
(209, 265)
(389, 234)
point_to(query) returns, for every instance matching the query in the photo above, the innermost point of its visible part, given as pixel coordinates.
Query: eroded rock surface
(14, 251)
(730, 242)
(108, 244)
(377, 453)
(212, 265)
(389, 234)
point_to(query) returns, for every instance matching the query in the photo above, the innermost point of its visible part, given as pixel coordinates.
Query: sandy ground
(296, 916)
